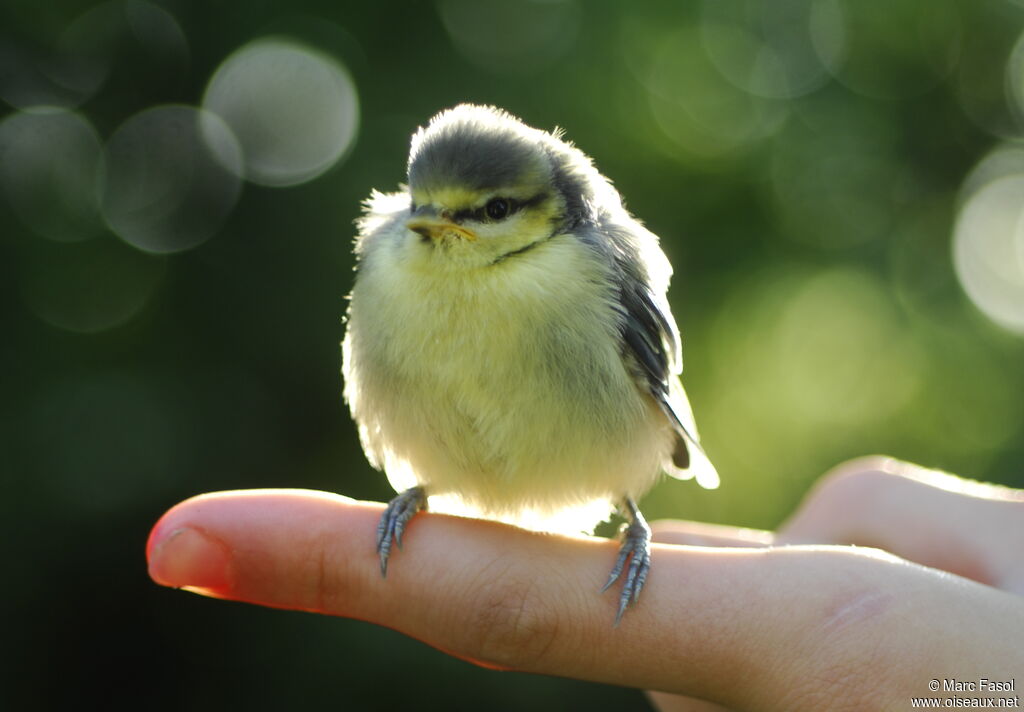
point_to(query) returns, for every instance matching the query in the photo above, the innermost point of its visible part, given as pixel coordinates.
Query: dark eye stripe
(530, 202)
(514, 206)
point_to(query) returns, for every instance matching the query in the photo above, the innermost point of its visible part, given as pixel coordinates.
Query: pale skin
(793, 620)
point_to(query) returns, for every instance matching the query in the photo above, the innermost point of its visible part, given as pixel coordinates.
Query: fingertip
(193, 509)
(184, 550)
(190, 558)
(181, 553)
(264, 546)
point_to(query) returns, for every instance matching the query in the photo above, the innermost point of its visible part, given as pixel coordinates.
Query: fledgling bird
(510, 352)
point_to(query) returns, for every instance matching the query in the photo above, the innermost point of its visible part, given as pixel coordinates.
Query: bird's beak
(427, 223)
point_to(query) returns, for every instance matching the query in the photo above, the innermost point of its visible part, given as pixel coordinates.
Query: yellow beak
(436, 229)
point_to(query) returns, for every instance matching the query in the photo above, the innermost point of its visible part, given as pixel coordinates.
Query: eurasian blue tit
(510, 352)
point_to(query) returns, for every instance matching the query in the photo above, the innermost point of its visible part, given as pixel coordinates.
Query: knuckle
(325, 580)
(858, 468)
(515, 623)
(854, 480)
(320, 584)
(845, 501)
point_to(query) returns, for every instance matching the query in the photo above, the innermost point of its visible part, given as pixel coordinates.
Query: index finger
(788, 623)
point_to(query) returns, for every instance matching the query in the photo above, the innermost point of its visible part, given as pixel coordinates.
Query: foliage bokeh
(830, 179)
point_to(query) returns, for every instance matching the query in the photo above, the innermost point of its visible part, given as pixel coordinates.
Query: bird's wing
(650, 341)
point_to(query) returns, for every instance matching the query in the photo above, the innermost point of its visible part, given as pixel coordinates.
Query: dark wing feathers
(650, 340)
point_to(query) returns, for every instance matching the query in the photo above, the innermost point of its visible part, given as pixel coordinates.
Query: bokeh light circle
(1006, 159)
(170, 184)
(802, 353)
(49, 162)
(988, 250)
(294, 110)
(829, 335)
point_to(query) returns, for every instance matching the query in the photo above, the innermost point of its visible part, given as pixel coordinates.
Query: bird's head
(485, 186)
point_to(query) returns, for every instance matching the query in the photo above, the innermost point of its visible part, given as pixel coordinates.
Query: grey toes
(636, 550)
(392, 523)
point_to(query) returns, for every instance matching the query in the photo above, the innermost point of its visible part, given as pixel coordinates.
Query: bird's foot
(636, 548)
(392, 523)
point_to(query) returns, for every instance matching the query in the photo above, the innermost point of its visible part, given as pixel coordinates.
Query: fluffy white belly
(501, 391)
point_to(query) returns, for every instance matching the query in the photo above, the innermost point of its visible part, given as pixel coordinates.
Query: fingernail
(189, 558)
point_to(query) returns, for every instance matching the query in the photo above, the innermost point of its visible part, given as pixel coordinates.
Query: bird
(509, 351)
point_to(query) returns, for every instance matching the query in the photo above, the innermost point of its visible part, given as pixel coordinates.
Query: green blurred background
(838, 184)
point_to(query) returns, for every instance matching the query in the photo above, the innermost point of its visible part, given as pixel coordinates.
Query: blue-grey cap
(484, 148)
(477, 147)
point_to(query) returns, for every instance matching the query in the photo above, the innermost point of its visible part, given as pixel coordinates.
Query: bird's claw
(636, 548)
(392, 523)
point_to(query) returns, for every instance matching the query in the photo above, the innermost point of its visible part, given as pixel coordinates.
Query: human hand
(927, 517)
(784, 627)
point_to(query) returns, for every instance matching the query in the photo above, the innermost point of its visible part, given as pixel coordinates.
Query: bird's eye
(497, 208)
